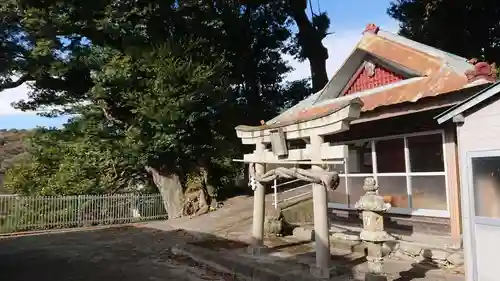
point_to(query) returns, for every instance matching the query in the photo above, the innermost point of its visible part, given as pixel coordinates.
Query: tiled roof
(364, 80)
(433, 72)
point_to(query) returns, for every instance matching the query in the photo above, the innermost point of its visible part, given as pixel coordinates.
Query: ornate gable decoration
(370, 76)
(482, 70)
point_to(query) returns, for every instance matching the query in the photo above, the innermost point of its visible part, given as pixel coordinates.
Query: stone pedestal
(373, 233)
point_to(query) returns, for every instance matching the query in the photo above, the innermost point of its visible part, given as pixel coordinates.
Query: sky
(348, 20)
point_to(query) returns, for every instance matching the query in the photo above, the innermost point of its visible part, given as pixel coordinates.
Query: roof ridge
(370, 27)
(458, 63)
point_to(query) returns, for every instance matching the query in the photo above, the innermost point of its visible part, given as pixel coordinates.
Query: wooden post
(320, 208)
(453, 186)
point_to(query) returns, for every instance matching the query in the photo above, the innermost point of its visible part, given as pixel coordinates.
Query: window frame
(471, 156)
(408, 174)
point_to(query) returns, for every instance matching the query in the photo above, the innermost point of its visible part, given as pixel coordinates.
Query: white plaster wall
(479, 132)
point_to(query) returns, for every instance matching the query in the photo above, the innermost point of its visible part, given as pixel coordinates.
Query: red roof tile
(365, 81)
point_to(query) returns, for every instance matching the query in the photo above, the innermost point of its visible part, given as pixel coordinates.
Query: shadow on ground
(417, 270)
(135, 253)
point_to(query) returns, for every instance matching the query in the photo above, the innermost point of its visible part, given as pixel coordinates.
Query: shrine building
(377, 117)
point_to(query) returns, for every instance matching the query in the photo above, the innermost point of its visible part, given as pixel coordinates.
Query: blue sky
(348, 20)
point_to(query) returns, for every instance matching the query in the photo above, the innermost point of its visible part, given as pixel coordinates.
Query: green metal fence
(32, 213)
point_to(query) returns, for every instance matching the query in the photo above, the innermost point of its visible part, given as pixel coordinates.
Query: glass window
(339, 195)
(486, 185)
(425, 156)
(355, 189)
(426, 153)
(394, 190)
(428, 192)
(360, 158)
(390, 156)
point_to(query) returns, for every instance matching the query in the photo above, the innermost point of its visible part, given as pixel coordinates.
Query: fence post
(79, 210)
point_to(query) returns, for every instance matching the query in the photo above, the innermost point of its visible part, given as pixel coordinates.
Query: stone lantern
(373, 233)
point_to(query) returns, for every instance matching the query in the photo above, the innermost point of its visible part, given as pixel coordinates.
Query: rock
(400, 255)
(303, 233)
(347, 246)
(438, 255)
(427, 253)
(456, 259)
(389, 247)
(419, 259)
(458, 270)
(273, 213)
(274, 222)
(410, 250)
(345, 236)
(442, 263)
(273, 226)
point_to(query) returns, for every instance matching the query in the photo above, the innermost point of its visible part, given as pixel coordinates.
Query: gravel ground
(134, 253)
(122, 253)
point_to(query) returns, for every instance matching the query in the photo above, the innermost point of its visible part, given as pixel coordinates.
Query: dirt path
(125, 253)
(234, 216)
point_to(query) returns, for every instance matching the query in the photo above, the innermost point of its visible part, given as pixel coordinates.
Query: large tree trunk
(206, 172)
(310, 40)
(171, 191)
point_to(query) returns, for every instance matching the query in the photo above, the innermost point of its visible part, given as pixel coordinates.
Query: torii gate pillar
(258, 206)
(320, 209)
(309, 123)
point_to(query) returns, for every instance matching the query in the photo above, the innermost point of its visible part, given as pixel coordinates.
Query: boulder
(438, 255)
(274, 222)
(303, 233)
(456, 259)
(345, 236)
(410, 250)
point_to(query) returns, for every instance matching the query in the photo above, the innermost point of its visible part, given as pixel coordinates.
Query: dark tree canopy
(157, 86)
(467, 28)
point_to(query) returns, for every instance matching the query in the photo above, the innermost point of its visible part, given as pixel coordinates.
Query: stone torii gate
(309, 122)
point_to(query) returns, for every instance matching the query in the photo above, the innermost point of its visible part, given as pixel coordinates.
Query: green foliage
(165, 103)
(63, 163)
(466, 28)
(12, 147)
(12, 150)
(153, 83)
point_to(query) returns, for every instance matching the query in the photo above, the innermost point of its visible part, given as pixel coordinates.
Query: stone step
(244, 268)
(349, 242)
(292, 262)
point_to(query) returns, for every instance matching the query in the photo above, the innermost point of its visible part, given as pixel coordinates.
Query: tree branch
(14, 84)
(109, 117)
(310, 40)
